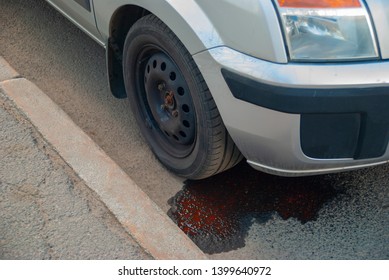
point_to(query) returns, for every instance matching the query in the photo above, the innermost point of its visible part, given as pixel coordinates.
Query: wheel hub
(169, 100)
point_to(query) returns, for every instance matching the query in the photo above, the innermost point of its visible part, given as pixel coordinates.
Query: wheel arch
(186, 20)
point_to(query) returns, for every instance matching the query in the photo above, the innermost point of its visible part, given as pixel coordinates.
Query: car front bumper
(301, 119)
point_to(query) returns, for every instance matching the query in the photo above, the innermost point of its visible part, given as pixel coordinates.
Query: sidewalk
(61, 197)
(46, 211)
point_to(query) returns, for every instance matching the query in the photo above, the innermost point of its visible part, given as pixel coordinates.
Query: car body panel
(81, 15)
(380, 14)
(248, 26)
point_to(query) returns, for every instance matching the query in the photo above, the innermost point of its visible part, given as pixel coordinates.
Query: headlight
(326, 30)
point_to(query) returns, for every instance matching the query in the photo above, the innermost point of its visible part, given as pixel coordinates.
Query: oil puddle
(217, 213)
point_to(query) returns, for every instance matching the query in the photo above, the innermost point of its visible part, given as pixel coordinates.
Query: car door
(81, 13)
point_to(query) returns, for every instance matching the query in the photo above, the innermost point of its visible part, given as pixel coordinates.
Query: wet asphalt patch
(217, 213)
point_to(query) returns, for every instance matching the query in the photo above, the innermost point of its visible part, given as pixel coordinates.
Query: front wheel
(172, 104)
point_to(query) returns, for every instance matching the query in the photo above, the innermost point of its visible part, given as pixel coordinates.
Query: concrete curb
(138, 214)
(6, 71)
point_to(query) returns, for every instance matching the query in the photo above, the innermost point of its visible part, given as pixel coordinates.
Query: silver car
(297, 87)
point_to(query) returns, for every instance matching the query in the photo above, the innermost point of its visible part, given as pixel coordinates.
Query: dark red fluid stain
(216, 213)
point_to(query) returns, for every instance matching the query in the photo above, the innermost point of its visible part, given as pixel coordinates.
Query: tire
(172, 104)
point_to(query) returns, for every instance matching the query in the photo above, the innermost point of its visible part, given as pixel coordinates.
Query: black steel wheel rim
(166, 103)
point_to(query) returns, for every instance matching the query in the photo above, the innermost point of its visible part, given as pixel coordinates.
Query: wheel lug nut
(161, 87)
(175, 113)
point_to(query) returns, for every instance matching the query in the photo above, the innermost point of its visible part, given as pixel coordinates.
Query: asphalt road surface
(241, 214)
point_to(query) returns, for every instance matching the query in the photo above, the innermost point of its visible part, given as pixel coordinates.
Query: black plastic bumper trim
(372, 103)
